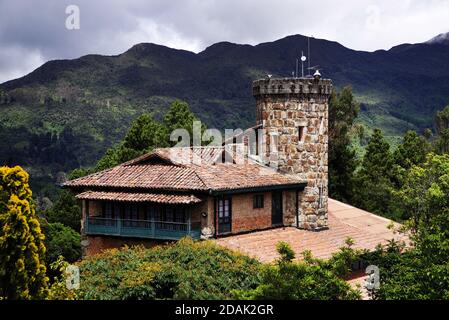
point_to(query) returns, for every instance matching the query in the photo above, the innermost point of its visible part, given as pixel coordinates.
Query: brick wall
(245, 217)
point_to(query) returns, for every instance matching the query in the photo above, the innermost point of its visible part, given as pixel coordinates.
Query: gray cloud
(32, 32)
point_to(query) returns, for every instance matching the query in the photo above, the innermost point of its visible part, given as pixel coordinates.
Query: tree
(61, 241)
(115, 156)
(373, 178)
(343, 110)
(411, 151)
(425, 195)
(441, 142)
(22, 268)
(66, 211)
(146, 134)
(180, 117)
(420, 272)
(308, 280)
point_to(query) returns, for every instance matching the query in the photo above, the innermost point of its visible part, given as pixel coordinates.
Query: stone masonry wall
(294, 116)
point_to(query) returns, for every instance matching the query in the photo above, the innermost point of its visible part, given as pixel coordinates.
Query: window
(301, 134)
(224, 215)
(258, 201)
(108, 210)
(321, 197)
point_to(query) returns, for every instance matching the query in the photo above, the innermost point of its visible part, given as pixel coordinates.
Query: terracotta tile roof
(181, 155)
(139, 197)
(166, 169)
(143, 176)
(366, 229)
(225, 176)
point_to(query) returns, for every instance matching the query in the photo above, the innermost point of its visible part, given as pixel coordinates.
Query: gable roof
(143, 176)
(173, 169)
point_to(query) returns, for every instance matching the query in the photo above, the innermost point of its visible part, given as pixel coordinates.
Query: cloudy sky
(34, 31)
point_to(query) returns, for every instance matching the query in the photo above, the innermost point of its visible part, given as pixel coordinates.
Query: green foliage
(61, 241)
(425, 195)
(65, 210)
(411, 151)
(115, 156)
(58, 289)
(441, 143)
(286, 252)
(343, 110)
(311, 279)
(78, 173)
(22, 269)
(180, 117)
(373, 179)
(147, 134)
(184, 270)
(419, 272)
(4, 97)
(408, 275)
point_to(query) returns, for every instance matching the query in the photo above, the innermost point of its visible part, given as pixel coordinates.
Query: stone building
(277, 179)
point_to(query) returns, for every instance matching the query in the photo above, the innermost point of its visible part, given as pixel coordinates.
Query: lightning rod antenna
(308, 53)
(296, 76)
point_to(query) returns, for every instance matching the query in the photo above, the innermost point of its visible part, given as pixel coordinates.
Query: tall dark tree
(145, 134)
(441, 142)
(412, 151)
(180, 117)
(343, 110)
(66, 211)
(373, 180)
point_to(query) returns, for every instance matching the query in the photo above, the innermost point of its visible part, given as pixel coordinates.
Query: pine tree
(343, 110)
(374, 177)
(412, 151)
(180, 117)
(22, 250)
(145, 134)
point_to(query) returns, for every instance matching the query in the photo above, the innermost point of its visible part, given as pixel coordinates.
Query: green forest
(408, 183)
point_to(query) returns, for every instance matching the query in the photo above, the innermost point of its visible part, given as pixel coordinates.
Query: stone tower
(294, 115)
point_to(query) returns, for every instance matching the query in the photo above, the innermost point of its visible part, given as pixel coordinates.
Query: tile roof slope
(224, 176)
(366, 229)
(143, 176)
(167, 169)
(139, 197)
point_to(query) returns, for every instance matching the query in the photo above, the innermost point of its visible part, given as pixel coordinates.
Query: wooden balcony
(141, 228)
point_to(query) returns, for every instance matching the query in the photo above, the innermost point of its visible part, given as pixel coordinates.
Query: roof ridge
(201, 179)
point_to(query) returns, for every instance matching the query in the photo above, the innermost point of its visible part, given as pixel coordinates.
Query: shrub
(183, 270)
(61, 241)
(311, 279)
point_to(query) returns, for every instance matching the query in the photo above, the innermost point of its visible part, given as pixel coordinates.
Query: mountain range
(66, 113)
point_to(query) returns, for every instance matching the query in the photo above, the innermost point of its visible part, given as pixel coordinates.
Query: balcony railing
(141, 228)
